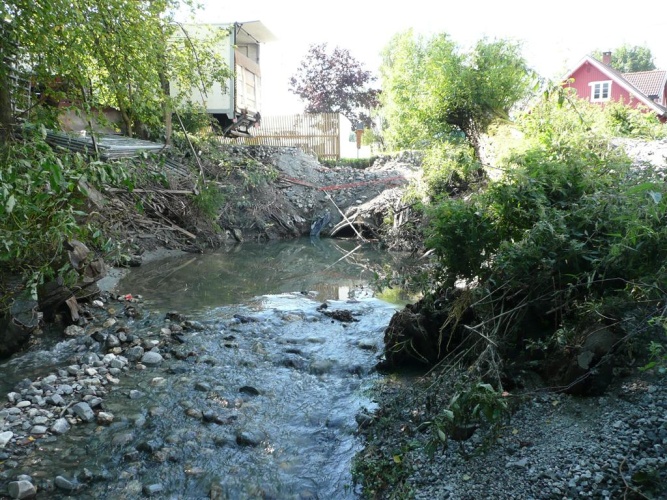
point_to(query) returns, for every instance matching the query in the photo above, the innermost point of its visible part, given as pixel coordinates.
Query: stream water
(259, 401)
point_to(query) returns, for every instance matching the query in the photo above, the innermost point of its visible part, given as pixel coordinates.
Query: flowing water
(259, 402)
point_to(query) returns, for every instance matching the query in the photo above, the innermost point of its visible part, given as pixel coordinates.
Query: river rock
(105, 418)
(22, 489)
(84, 412)
(60, 426)
(151, 358)
(194, 413)
(66, 389)
(64, 483)
(109, 323)
(112, 341)
(5, 437)
(212, 416)
(99, 336)
(135, 394)
(152, 489)
(321, 366)
(56, 400)
(74, 331)
(134, 353)
(248, 438)
(202, 386)
(249, 390)
(38, 430)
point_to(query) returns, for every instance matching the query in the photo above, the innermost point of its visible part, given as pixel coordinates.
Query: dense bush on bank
(565, 245)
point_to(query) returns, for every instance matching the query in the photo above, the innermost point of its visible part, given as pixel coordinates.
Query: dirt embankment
(260, 194)
(223, 196)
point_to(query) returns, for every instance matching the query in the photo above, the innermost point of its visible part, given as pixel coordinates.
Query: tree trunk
(6, 55)
(6, 117)
(166, 107)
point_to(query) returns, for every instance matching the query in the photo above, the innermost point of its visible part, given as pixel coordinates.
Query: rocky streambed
(249, 400)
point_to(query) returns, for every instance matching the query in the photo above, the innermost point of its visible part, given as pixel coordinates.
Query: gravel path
(554, 446)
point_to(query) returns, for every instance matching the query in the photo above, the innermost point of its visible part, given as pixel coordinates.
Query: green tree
(432, 89)
(119, 53)
(629, 58)
(334, 82)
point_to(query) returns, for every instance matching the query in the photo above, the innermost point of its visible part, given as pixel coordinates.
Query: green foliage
(121, 54)
(568, 222)
(624, 121)
(41, 200)
(462, 235)
(629, 58)
(210, 200)
(432, 89)
(470, 407)
(449, 168)
(657, 351)
(194, 118)
(561, 116)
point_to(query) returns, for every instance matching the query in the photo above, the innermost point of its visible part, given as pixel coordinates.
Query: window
(600, 91)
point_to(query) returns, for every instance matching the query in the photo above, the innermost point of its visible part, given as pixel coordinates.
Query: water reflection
(334, 269)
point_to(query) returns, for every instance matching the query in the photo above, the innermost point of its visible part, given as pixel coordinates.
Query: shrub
(568, 229)
(42, 192)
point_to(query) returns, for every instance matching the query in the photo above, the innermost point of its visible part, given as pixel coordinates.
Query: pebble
(60, 426)
(152, 489)
(64, 483)
(151, 358)
(105, 418)
(5, 437)
(84, 412)
(22, 489)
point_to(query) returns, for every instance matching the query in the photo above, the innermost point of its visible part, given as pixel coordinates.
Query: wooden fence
(315, 133)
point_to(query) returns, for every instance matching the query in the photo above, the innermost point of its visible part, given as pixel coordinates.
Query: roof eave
(618, 78)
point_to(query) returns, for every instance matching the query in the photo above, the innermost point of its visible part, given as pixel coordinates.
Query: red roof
(651, 83)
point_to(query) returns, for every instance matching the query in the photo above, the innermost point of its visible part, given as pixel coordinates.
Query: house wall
(588, 73)
(219, 98)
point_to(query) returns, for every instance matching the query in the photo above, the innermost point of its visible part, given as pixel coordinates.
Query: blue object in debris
(319, 223)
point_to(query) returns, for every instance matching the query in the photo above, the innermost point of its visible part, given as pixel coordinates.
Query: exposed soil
(266, 193)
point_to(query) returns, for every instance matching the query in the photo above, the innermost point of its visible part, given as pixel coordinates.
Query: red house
(598, 82)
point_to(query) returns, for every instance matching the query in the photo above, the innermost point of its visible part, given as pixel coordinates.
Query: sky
(554, 36)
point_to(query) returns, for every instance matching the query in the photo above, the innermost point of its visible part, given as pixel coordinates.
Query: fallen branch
(344, 217)
(159, 191)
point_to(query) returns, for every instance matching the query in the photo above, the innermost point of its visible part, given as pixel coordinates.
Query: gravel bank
(554, 446)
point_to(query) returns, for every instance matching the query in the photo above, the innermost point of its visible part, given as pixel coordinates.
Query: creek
(258, 396)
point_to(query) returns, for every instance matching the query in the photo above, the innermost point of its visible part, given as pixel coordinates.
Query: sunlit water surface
(310, 376)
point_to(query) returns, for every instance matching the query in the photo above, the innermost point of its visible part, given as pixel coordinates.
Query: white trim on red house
(618, 78)
(600, 91)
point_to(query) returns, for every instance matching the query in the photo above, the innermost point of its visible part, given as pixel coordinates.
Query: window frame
(602, 84)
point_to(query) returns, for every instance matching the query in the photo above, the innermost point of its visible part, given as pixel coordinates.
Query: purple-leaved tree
(335, 82)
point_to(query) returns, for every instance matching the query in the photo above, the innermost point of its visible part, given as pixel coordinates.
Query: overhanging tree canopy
(114, 53)
(431, 88)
